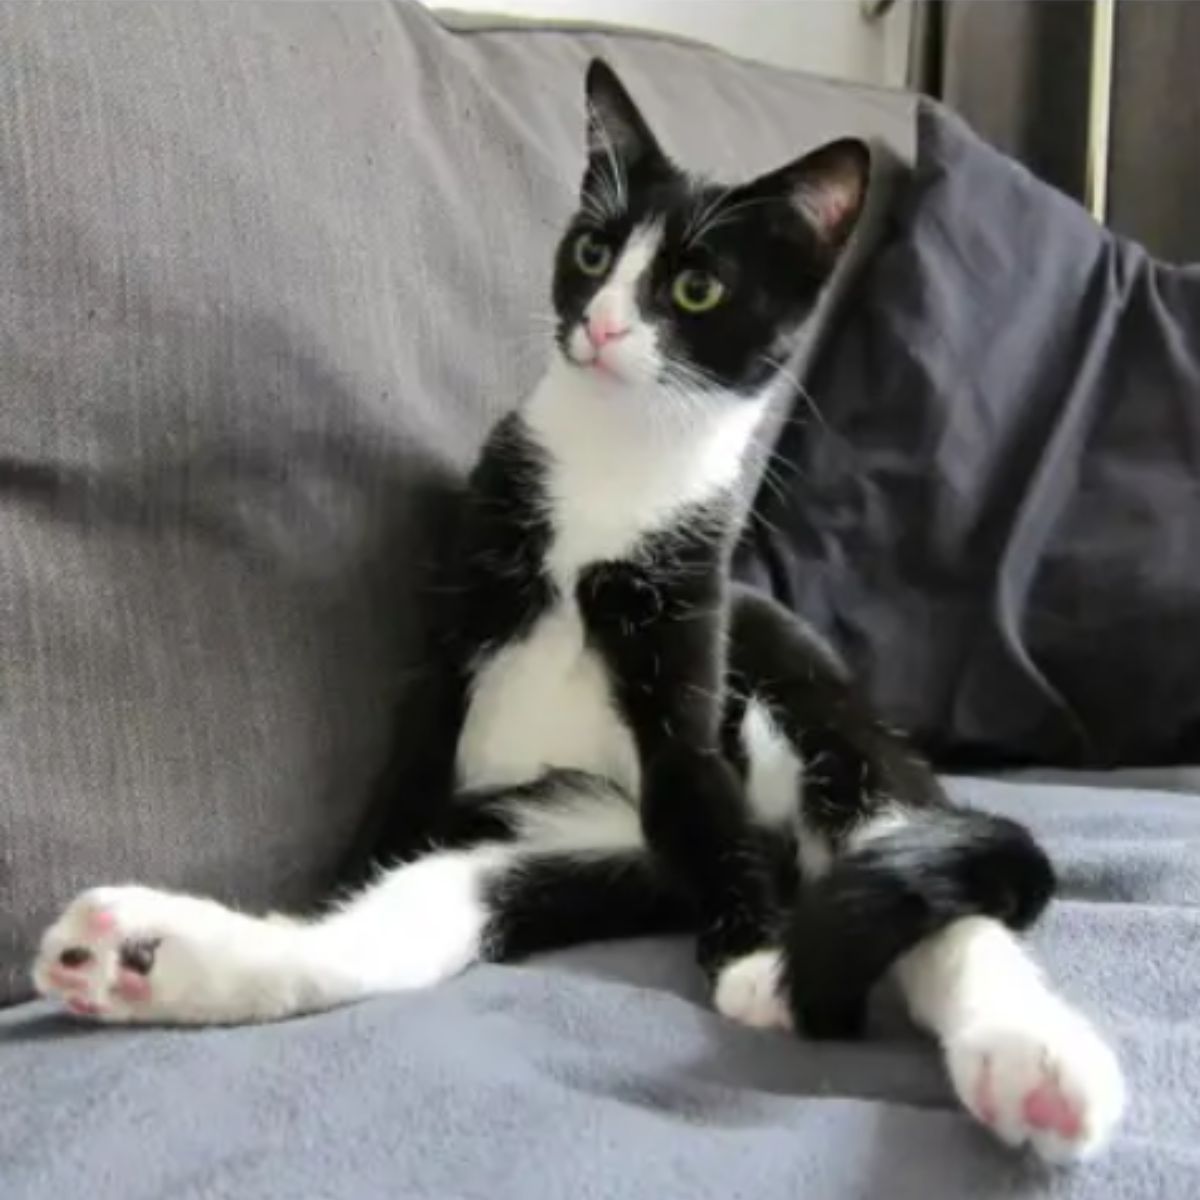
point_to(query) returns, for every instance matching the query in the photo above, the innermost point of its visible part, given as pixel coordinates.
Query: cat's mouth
(598, 365)
(595, 362)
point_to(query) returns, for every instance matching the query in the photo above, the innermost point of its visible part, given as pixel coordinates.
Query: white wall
(828, 37)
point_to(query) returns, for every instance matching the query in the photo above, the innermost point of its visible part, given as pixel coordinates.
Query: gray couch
(267, 273)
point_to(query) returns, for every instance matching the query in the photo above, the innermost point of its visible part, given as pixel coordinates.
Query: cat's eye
(592, 255)
(697, 291)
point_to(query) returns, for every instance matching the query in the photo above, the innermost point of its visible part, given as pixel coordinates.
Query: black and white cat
(621, 743)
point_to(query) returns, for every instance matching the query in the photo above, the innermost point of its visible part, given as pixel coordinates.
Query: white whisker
(703, 213)
(616, 199)
(803, 392)
(721, 213)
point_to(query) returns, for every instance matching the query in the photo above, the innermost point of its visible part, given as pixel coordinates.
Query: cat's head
(665, 279)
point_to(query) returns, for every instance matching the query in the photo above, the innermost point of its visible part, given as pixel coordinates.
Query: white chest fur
(544, 702)
(618, 469)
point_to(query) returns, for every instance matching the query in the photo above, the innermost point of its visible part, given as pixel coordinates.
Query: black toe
(138, 956)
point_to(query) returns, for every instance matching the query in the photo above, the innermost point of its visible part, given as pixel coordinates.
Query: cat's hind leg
(138, 955)
(564, 863)
(936, 894)
(1022, 1060)
(885, 859)
(896, 877)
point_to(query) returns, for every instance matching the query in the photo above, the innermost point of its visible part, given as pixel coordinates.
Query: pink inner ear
(832, 205)
(836, 205)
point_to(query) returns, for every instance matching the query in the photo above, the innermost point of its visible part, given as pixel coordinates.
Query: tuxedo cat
(619, 742)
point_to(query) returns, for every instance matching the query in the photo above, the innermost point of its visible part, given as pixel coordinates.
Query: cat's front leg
(661, 633)
(695, 821)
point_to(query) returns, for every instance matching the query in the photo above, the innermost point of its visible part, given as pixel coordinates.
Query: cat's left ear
(828, 186)
(614, 125)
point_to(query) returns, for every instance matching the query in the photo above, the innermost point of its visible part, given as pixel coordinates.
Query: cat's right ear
(616, 131)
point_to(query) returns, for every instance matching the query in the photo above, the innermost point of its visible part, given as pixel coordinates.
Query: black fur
(556, 901)
(849, 926)
(658, 620)
(500, 586)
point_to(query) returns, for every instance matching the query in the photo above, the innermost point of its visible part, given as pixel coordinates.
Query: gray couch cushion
(612, 1080)
(267, 274)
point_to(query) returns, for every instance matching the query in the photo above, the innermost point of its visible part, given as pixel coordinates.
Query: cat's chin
(642, 403)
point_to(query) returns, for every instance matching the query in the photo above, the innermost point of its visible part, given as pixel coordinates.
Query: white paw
(749, 991)
(132, 954)
(1044, 1078)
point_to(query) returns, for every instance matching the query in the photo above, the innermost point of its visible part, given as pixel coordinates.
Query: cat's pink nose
(602, 330)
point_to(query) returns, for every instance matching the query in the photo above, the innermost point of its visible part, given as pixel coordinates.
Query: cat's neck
(621, 466)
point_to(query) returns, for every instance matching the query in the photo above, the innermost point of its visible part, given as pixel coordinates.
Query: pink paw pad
(100, 922)
(1047, 1108)
(66, 977)
(132, 986)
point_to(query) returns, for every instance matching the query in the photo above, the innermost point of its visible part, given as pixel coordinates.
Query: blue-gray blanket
(601, 1073)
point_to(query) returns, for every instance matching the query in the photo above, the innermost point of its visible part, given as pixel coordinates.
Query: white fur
(617, 298)
(773, 785)
(879, 826)
(581, 824)
(775, 773)
(417, 924)
(748, 991)
(635, 357)
(815, 853)
(544, 702)
(624, 459)
(1009, 1039)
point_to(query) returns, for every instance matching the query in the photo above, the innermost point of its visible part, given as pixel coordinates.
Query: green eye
(592, 256)
(697, 291)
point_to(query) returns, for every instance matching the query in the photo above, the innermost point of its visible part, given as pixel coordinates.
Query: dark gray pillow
(998, 522)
